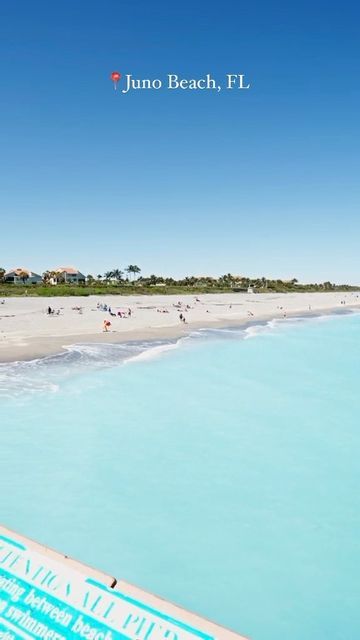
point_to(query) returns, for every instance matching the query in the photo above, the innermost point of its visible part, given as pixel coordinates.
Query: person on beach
(129, 312)
(106, 325)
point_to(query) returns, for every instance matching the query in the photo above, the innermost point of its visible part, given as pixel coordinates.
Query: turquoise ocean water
(221, 471)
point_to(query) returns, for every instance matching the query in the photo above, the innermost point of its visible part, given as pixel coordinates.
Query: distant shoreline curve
(42, 347)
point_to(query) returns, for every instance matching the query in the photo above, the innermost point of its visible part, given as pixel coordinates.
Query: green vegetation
(114, 282)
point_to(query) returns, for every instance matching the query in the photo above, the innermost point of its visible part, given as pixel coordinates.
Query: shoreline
(47, 346)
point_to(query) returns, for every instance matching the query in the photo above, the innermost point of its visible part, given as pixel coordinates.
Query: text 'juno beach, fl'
(175, 82)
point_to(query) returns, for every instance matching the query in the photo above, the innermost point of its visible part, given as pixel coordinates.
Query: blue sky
(258, 182)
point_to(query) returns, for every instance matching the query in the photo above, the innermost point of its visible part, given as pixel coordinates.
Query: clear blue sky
(263, 182)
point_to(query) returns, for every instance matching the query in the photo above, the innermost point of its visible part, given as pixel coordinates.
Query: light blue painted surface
(223, 474)
(30, 599)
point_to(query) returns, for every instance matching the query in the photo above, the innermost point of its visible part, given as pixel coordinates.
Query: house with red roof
(68, 275)
(21, 275)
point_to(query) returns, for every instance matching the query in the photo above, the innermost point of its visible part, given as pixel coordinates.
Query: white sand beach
(28, 331)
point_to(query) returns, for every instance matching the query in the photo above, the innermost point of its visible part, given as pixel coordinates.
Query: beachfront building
(20, 275)
(68, 275)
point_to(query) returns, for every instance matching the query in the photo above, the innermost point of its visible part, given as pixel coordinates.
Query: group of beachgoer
(119, 313)
(283, 312)
(52, 312)
(181, 305)
(123, 314)
(183, 308)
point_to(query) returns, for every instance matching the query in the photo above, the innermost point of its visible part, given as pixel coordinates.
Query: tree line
(130, 276)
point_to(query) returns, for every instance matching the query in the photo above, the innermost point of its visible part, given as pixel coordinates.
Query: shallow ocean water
(221, 471)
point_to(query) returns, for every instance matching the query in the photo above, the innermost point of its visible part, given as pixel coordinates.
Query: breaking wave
(48, 373)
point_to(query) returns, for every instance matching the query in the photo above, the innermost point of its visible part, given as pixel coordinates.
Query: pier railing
(46, 595)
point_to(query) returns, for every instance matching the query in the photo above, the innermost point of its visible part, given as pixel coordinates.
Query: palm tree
(51, 277)
(2, 274)
(117, 274)
(134, 269)
(23, 275)
(227, 279)
(108, 275)
(59, 277)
